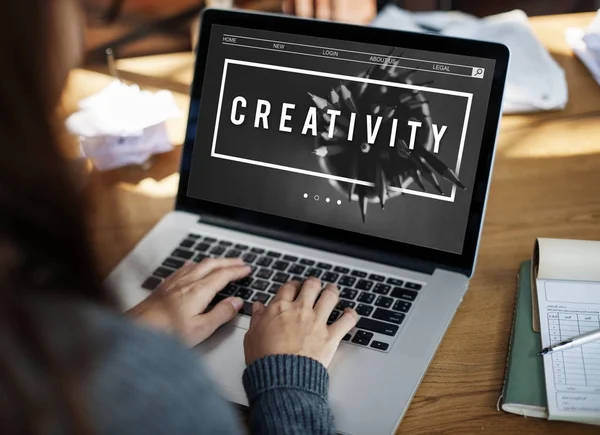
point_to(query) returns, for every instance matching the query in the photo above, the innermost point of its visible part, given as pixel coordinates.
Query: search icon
(478, 73)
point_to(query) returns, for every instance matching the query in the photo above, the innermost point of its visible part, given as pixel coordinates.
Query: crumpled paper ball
(123, 125)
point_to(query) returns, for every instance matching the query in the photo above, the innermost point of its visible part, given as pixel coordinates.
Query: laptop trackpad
(223, 356)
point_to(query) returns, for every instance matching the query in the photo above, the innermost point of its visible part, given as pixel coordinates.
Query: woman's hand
(180, 302)
(350, 11)
(294, 324)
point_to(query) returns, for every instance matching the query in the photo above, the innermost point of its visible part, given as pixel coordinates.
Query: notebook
(524, 392)
(568, 297)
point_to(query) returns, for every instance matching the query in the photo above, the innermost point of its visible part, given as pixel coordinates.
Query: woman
(69, 362)
(350, 11)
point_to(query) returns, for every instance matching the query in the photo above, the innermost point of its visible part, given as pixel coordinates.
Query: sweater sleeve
(288, 396)
(148, 383)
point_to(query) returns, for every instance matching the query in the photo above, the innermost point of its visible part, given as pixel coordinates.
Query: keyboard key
(173, 263)
(290, 258)
(314, 272)
(281, 277)
(363, 284)
(401, 306)
(307, 262)
(324, 266)
(202, 247)
(377, 326)
(343, 304)
(347, 280)
(364, 334)
(330, 277)
(334, 316)
(217, 250)
(300, 279)
(210, 240)
(241, 247)
(187, 243)
(274, 288)
(341, 269)
(362, 337)
(182, 253)
(193, 236)
(347, 293)
(230, 290)
(359, 273)
(264, 261)
(380, 345)
(244, 293)
(261, 297)
(382, 289)
(395, 281)
(151, 283)
(244, 282)
(264, 273)
(409, 295)
(249, 258)
(413, 285)
(233, 253)
(259, 284)
(347, 337)
(296, 269)
(361, 341)
(225, 243)
(280, 265)
(388, 316)
(364, 310)
(218, 298)
(376, 277)
(198, 258)
(273, 254)
(257, 250)
(163, 272)
(384, 302)
(246, 309)
(367, 298)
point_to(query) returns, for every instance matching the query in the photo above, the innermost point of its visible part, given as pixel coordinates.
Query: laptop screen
(378, 140)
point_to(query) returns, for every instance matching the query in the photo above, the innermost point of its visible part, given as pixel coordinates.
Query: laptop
(357, 155)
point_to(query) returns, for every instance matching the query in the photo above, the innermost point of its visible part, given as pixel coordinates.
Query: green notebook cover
(524, 391)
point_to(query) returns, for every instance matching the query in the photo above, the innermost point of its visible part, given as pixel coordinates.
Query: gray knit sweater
(144, 383)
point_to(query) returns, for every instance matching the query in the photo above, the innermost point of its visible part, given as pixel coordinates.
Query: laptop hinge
(395, 260)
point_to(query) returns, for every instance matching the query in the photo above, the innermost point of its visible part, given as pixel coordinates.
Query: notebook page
(568, 309)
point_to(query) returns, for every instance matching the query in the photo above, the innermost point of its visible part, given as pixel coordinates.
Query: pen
(112, 68)
(580, 340)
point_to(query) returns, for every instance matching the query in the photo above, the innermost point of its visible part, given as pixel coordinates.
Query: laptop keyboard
(381, 301)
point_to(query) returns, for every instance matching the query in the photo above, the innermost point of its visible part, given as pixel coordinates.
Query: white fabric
(586, 45)
(535, 81)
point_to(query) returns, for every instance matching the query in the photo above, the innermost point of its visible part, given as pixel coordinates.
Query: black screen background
(409, 219)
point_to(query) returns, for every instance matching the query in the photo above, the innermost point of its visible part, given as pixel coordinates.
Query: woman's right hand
(294, 324)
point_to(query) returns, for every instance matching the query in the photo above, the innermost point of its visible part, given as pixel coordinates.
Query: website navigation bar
(354, 56)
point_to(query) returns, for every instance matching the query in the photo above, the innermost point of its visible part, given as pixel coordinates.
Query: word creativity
(373, 124)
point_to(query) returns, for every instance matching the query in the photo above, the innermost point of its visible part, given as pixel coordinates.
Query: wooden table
(546, 183)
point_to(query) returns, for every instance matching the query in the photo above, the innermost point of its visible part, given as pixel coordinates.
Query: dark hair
(44, 247)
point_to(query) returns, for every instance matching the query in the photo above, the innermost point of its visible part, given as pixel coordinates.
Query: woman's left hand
(180, 302)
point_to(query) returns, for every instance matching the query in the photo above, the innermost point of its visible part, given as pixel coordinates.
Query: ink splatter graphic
(388, 164)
